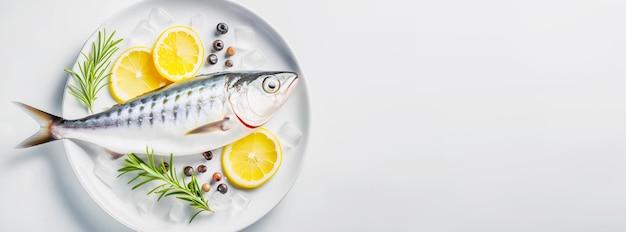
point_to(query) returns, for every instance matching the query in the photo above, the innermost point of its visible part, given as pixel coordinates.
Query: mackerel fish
(188, 117)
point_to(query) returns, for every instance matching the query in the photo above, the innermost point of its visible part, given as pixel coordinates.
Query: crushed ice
(159, 19)
(197, 21)
(245, 37)
(253, 59)
(289, 135)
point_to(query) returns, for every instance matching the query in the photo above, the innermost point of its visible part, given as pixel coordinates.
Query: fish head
(256, 96)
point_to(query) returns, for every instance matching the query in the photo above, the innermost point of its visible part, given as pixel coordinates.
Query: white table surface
(426, 115)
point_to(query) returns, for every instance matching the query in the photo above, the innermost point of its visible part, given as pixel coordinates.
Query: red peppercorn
(229, 63)
(217, 177)
(201, 168)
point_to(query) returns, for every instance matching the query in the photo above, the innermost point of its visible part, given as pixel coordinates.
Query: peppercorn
(166, 166)
(188, 170)
(208, 155)
(212, 59)
(202, 168)
(230, 51)
(206, 187)
(222, 188)
(218, 45)
(222, 28)
(217, 176)
(229, 63)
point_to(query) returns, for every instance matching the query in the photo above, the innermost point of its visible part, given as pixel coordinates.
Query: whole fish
(188, 117)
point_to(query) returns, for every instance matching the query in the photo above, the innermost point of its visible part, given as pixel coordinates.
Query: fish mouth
(293, 81)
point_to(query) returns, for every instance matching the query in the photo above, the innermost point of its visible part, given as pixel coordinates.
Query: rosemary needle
(171, 186)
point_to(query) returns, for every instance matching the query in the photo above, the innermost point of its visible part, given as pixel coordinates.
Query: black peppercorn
(166, 166)
(222, 28)
(222, 188)
(208, 155)
(212, 59)
(218, 45)
(188, 170)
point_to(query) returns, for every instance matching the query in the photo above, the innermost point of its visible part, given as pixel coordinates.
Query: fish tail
(45, 120)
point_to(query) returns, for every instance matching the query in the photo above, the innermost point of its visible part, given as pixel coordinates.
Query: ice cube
(220, 201)
(197, 21)
(253, 59)
(289, 135)
(178, 212)
(143, 201)
(143, 35)
(106, 173)
(239, 203)
(105, 169)
(159, 19)
(244, 37)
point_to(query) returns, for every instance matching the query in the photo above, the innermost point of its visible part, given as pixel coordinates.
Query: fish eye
(271, 84)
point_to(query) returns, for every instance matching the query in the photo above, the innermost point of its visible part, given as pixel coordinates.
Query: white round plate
(259, 47)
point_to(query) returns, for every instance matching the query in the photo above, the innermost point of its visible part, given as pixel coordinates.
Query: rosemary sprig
(148, 171)
(93, 71)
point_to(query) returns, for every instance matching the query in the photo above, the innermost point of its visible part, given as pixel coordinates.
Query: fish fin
(145, 94)
(111, 107)
(114, 155)
(45, 120)
(222, 125)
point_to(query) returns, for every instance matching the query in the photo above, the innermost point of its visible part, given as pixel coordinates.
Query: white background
(426, 115)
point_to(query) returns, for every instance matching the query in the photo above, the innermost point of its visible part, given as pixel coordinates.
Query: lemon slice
(178, 53)
(251, 161)
(133, 74)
